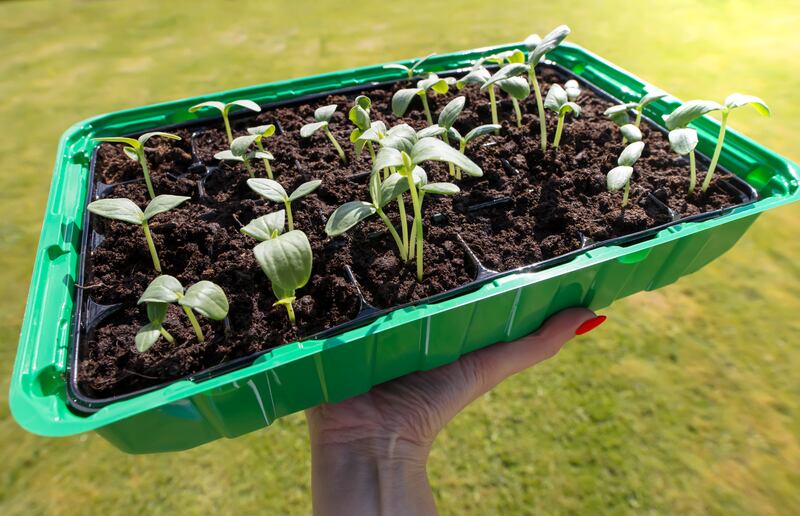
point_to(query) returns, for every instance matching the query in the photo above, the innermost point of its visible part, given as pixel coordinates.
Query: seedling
(359, 115)
(447, 117)
(508, 79)
(134, 149)
(683, 141)
(323, 117)
(286, 260)
(241, 151)
(402, 98)
(225, 109)
(273, 191)
(619, 177)
(409, 71)
(693, 109)
(406, 162)
(126, 210)
(537, 49)
(558, 101)
(205, 297)
(463, 141)
(266, 227)
(261, 132)
(381, 193)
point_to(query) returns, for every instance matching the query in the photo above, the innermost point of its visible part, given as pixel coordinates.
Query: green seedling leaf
(631, 133)
(120, 139)
(556, 97)
(683, 140)
(532, 41)
(570, 107)
(163, 203)
(286, 261)
(478, 76)
(309, 129)
(242, 144)
(430, 132)
(266, 227)
(451, 111)
(387, 157)
(441, 188)
(325, 113)
(401, 137)
(146, 136)
(390, 188)
(431, 149)
(618, 177)
(481, 130)
(264, 131)
(268, 188)
(547, 44)
(360, 117)
(402, 99)
(305, 189)
(435, 83)
(247, 104)
(157, 312)
(163, 289)
(630, 154)
(147, 336)
(130, 152)
(207, 299)
(419, 176)
(689, 111)
(347, 216)
(117, 209)
(209, 104)
(510, 70)
(227, 155)
(517, 87)
(651, 97)
(364, 102)
(736, 100)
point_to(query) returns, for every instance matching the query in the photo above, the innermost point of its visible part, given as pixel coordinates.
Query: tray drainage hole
(48, 382)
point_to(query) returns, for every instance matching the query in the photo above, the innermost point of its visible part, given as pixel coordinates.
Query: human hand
(369, 452)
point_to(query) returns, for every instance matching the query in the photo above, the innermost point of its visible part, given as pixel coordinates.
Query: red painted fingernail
(591, 324)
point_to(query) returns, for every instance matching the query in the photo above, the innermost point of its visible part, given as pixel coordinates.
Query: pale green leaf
(631, 133)
(117, 209)
(267, 226)
(441, 188)
(630, 154)
(241, 144)
(419, 176)
(532, 41)
(419, 62)
(736, 100)
(548, 43)
(210, 104)
(517, 87)
(305, 189)
(359, 117)
(206, 298)
(387, 157)
(163, 289)
(227, 155)
(481, 130)
(391, 187)
(120, 139)
(652, 97)
(402, 99)
(450, 113)
(364, 102)
(268, 188)
(325, 113)
(156, 312)
(146, 136)
(286, 261)
(683, 140)
(247, 104)
(617, 177)
(556, 97)
(432, 149)
(431, 131)
(309, 129)
(147, 336)
(510, 70)
(265, 131)
(396, 66)
(571, 107)
(689, 111)
(163, 203)
(131, 153)
(476, 76)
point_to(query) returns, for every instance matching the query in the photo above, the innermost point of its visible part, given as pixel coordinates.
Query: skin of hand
(369, 453)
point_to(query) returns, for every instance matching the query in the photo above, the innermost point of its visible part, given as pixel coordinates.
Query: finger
(495, 363)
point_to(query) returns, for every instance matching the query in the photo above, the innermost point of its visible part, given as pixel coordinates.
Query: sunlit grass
(685, 401)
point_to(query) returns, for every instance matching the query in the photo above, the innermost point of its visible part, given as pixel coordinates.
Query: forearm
(370, 478)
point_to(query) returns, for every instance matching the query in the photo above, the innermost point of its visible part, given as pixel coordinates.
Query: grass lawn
(686, 401)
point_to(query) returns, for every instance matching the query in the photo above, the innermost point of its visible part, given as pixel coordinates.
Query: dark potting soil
(527, 207)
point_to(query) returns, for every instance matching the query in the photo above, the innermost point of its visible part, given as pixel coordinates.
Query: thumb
(495, 363)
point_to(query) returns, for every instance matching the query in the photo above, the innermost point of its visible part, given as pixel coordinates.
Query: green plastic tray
(296, 376)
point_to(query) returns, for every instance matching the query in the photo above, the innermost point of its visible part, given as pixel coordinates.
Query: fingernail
(591, 324)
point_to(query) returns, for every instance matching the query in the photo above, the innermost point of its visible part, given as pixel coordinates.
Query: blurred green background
(685, 401)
